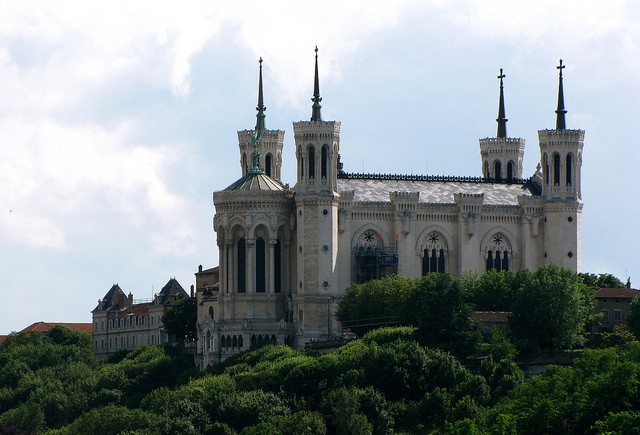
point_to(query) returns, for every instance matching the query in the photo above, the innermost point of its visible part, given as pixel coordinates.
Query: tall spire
(260, 108)
(502, 121)
(315, 114)
(560, 121)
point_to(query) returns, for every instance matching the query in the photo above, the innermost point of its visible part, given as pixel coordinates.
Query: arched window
(510, 171)
(323, 162)
(497, 166)
(373, 259)
(556, 169)
(277, 266)
(228, 341)
(211, 312)
(546, 168)
(301, 167)
(267, 164)
(434, 254)
(241, 277)
(486, 169)
(235, 341)
(569, 165)
(260, 265)
(245, 167)
(312, 162)
(208, 343)
(240, 341)
(274, 339)
(498, 253)
(254, 342)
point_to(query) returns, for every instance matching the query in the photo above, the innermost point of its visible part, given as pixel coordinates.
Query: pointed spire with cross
(502, 121)
(315, 114)
(260, 108)
(560, 112)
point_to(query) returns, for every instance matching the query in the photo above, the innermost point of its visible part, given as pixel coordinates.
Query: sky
(119, 119)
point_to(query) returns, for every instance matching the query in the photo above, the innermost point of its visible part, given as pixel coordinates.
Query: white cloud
(54, 175)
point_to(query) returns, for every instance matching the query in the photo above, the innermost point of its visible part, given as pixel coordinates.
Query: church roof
(438, 192)
(254, 181)
(617, 293)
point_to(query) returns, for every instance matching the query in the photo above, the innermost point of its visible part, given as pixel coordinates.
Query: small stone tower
(561, 160)
(317, 198)
(269, 142)
(502, 155)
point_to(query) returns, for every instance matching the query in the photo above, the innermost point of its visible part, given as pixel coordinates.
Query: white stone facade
(288, 254)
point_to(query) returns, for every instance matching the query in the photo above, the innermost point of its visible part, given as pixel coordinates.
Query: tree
(551, 310)
(378, 302)
(437, 308)
(180, 320)
(633, 320)
(602, 280)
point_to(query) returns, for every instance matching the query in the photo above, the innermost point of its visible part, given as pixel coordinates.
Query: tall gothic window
(373, 259)
(312, 162)
(260, 265)
(498, 254)
(546, 169)
(267, 165)
(241, 266)
(569, 168)
(556, 169)
(486, 169)
(498, 170)
(510, 171)
(434, 254)
(245, 167)
(323, 162)
(277, 266)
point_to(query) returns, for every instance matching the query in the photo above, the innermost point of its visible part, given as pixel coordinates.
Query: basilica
(287, 254)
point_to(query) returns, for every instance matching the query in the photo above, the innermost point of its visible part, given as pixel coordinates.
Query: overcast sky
(118, 120)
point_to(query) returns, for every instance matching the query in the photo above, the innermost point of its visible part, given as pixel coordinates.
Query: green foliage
(180, 320)
(442, 318)
(603, 280)
(110, 420)
(382, 336)
(499, 367)
(625, 422)
(375, 303)
(26, 417)
(633, 320)
(387, 382)
(551, 310)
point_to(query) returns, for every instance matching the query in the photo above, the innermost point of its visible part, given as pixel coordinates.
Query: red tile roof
(491, 316)
(617, 293)
(48, 326)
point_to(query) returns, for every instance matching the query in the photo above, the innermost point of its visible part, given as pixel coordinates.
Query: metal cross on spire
(315, 113)
(560, 111)
(260, 108)
(502, 120)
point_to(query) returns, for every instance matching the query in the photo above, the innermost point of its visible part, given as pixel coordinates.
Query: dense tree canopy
(551, 310)
(392, 380)
(180, 320)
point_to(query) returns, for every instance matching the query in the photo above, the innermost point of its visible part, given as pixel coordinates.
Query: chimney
(200, 268)
(130, 299)
(628, 282)
(192, 286)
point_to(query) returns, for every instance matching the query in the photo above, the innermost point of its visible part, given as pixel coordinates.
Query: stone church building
(286, 254)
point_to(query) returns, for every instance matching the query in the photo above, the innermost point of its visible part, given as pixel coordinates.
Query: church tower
(502, 155)
(269, 142)
(561, 161)
(317, 148)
